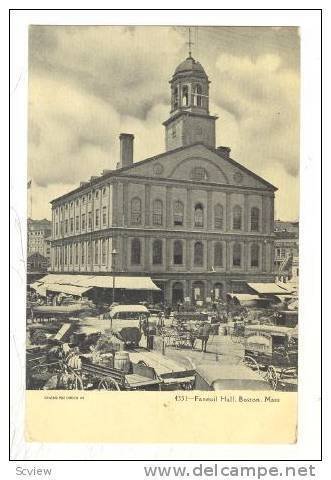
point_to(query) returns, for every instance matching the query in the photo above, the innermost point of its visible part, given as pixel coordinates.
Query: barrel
(122, 361)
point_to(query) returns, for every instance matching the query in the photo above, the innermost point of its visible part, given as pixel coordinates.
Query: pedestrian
(151, 332)
(204, 332)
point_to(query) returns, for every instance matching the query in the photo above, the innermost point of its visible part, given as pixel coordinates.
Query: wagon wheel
(76, 382)
(272, 377)
(251, 363)
(108, 383)
(142, 363)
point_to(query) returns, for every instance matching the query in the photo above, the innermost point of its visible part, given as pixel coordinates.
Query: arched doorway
(198, 291)
(177, 293)
(218, 291)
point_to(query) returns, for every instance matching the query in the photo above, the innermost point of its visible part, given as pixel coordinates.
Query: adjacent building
(192, 218)
(39, 245)
(287, 251)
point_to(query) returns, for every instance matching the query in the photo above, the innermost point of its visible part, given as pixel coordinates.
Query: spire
(189, 43)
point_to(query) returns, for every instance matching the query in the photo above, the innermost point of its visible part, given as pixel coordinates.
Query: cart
(274, 351)
(103, 377)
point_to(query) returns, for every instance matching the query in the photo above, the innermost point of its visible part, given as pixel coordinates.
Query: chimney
(224, 151)
(126, 149)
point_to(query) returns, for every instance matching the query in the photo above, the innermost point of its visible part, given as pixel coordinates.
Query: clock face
(238, 177)
(158, 169)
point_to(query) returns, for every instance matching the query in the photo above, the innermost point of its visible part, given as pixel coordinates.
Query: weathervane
(189, 43)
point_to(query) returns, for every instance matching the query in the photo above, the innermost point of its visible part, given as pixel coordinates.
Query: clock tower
(189, 120)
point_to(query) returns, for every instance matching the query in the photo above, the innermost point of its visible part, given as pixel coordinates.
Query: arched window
(177, 293)
(175, 98)
(218, 290)
(237, 220)
(157, 212)
(198, 254)
(236, 257)
(255, 219)
(218, 255)
(157, 252)
(198, 291)
(96, 252)
(178, 213)
(185, 101)
(135, 252)
(218, 216)
(178, 252)
(197, 95)
(198, 215)
(136, 211)
(255, 255)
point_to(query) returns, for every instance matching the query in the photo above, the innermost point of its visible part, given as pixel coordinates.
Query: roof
(69, 289)
(190, 65)
(129, 308)
(244, 296)
(272, 329)
(271, 288)
(120, 171)
(100, 281)
(236, 374)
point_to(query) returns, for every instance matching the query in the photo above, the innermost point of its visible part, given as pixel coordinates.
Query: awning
(245, 297)
(100, 281)
(272, 329)
(271, 288)
(69, 289)
(289, 287)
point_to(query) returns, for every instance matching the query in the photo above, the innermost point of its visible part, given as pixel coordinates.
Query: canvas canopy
(268, 288)
(69, 289)
(97, 281)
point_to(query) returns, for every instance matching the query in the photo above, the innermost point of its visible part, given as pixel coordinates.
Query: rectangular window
(90, 220)
(77, 223)
(97, 217)
(104, 215)
(66, 226)
(89, 252)
(83, 221)
(157, 218)
(104, 252)
(71, 225)
(56, 229)
(83, 253)
(96, 252)
(76, 254)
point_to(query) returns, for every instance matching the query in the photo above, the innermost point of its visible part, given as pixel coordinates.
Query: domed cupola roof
(190, 66)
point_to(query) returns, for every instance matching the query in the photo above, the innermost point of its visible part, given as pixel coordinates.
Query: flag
(29, 184)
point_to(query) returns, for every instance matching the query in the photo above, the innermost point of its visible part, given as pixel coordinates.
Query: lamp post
(113, 264)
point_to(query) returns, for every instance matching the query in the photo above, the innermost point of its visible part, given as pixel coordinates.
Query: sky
(87, 84)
